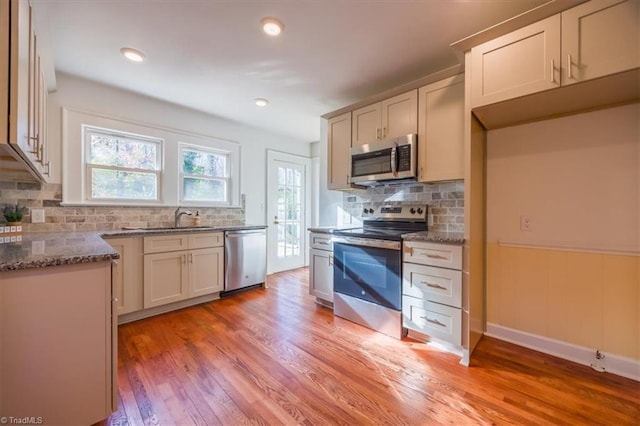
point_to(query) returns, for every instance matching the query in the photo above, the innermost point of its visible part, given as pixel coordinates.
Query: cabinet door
(599, 38)
(366, 125)
(439, 285)
(400, 115)
(164, 243)
(338, 151)
(127, 274)
(206, 267)
(4, 70)
(206, 239)
(517, 64)
(19, 75)
(165, 278)
(56, 329)
(433, 319)
(441, 130)
(321, 274)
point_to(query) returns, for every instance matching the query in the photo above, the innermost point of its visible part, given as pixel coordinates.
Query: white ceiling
(211, 55)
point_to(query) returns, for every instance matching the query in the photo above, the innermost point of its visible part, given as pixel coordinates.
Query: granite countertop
(456, 238)
(330, 229)
(40, 250)
(130, 232)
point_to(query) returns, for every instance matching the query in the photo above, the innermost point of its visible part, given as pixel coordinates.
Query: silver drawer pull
(437, 256)
(434, 321)
(432, 285)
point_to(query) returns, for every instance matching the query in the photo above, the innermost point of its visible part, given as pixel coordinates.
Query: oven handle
(368, 242)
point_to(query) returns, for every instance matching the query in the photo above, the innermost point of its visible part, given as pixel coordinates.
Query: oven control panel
(412, 212)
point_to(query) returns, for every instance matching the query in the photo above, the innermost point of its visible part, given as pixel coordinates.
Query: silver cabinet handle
(432, 285)
(569, 66)
(275, 220)
(436, 256)
(553, 69)
(190, 257)
(434, 321)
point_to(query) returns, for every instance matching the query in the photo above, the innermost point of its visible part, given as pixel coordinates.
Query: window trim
(86, 131)
(73, 174)
(182, 146)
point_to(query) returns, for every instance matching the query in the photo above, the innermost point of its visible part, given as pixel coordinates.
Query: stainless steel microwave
(387, 160)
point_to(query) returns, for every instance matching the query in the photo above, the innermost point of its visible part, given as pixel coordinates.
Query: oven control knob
(364, 211)
(412, 210)
(419, 210)
(370, 210)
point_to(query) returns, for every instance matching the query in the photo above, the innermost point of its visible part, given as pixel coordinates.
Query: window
(204, 175)
(121, 166)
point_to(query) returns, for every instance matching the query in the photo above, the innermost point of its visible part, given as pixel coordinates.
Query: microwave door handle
(394, 160)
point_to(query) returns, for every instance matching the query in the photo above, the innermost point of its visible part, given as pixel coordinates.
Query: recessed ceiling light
(132, 54)
(262, 102)
(271, 26)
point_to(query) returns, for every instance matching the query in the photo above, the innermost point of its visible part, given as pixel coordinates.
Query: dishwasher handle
(245, 232)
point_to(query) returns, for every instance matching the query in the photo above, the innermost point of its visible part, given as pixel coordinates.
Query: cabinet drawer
(434, 284)
(206, 239)
(433, 254)
(321, 241)
(164, 243)
(433, 319)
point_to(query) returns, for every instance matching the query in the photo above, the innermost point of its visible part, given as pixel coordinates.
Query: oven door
(368, 272)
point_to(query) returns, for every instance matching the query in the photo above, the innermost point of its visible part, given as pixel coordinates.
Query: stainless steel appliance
(367, 267)
(383, 161)
(245, 259)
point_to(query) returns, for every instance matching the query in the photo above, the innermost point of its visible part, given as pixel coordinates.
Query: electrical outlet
(37, 215)
(526, 224)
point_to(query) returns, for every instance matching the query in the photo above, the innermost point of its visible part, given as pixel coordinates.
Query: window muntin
(121, 166)
(204, 175)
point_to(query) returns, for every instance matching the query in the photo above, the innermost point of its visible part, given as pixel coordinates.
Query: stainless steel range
(367, 271)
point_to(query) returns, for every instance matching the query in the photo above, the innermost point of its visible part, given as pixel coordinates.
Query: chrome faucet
(178, 214)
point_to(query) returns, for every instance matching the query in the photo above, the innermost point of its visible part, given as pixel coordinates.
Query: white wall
(576, 177)
(94, 97)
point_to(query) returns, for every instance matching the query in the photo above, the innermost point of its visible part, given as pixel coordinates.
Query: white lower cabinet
(321, 267)
(127, 274)
(433, 319)
(432, 290)
(58, 356)
(179, 267)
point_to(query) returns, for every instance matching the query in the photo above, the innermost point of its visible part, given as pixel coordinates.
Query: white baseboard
(611, 363)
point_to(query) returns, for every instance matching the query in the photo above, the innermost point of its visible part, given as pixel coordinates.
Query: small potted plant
(13, 214)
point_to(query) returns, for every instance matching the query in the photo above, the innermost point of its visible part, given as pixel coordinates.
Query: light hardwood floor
(272, 356)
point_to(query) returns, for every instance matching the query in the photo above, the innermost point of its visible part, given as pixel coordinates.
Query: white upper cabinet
(599, 38)
(517, 64)
(441, 130)
(338, 155)
(25, 122)
(393, 117)
(592, 40)
(367, 125)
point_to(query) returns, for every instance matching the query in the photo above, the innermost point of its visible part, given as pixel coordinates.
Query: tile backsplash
(445, 201)
(97, 218)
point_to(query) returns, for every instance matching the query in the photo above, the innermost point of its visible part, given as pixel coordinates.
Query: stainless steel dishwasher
(245, 259)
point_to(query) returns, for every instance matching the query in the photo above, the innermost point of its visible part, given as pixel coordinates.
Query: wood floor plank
(273, 356)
